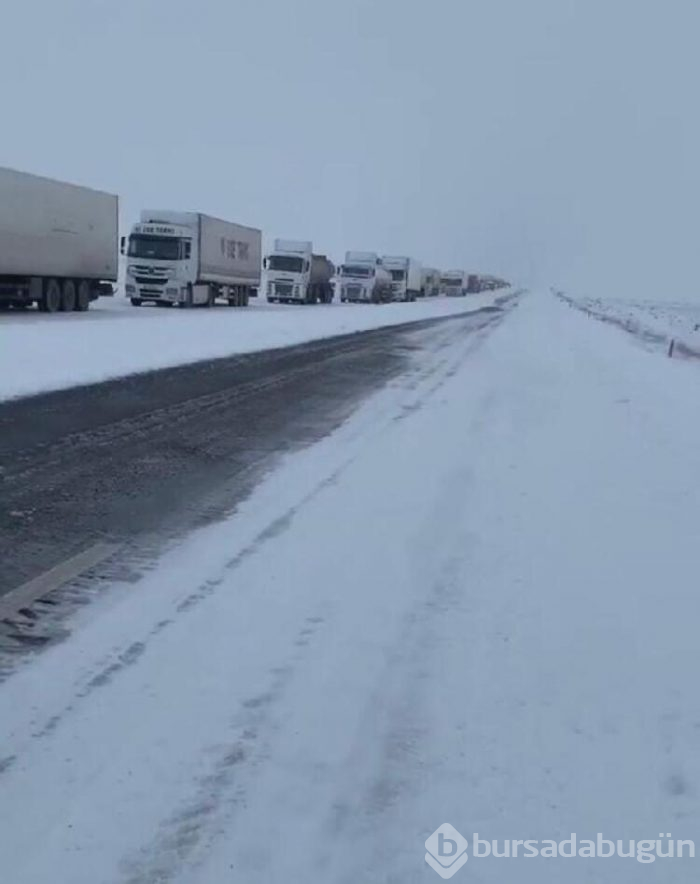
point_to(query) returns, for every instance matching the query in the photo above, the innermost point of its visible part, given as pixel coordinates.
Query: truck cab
(430, 282)
(294, 274)
(452, 283)
(363, 279)
(161, 263)
(406, 281)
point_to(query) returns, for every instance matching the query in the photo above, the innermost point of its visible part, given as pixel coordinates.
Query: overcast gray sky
(555, 141)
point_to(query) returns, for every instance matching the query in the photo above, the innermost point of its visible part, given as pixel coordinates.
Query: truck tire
(51, 297)
(136, 302)
(68, 296)
(211, 297)
(245, 298)
(82, 297)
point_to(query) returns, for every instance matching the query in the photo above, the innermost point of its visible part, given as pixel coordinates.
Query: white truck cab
(295, 275)
(406, 278)
(160, 262)
(453, 283)
(363, 279)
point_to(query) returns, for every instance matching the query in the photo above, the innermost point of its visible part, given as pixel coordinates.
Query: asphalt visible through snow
(157, 454)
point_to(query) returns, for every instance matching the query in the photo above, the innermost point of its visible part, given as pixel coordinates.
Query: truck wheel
(68, 296)
(136, 302)
(245, 298)
(82, 298)
(211, 297)
(51, 298)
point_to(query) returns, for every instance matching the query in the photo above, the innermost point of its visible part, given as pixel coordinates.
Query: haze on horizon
(553, 141)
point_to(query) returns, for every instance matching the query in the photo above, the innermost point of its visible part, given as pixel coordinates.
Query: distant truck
(295, 275)
(453, 283)
(362, 278)
(473, 284)
(58, 243)
(189, 259)
(430, 283)
(406, 277)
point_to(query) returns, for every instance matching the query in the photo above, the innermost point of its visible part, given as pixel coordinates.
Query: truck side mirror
(122, 245)
(264, 263)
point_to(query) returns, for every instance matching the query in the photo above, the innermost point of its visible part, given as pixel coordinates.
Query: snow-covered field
(651, 321)
(474, 603)
(40, 352)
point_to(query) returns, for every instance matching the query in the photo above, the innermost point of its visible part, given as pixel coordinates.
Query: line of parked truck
(59, 250)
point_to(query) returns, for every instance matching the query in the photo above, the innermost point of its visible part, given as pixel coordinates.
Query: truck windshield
(287, 263)
(398, 275)
(353, 270)
(450, 280)
(163, 248)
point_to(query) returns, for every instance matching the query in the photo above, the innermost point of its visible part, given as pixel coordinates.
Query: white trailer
(58, 243)
(191, 259)
(363, 279)
(453, 283)
(430, 282)
(406, 277)
(294, 274)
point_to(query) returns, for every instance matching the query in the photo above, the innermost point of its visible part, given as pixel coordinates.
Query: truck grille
(151, 280)
(283, 289)
(353, 291)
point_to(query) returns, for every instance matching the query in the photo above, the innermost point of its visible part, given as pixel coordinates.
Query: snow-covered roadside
(473, 603)
(655, 323)
(39, 352)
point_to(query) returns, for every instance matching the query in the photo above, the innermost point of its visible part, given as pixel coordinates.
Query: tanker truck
(58, 243)
(189, 259)
(295, 275)
(363, 279)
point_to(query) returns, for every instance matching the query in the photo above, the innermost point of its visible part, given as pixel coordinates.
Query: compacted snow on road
(473, 603)
(50, 352)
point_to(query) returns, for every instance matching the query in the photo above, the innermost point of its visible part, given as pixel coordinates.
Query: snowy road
(41, 352)
(473, 602)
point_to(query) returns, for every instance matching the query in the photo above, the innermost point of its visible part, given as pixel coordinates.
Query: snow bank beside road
(654, 323)
(39, 352)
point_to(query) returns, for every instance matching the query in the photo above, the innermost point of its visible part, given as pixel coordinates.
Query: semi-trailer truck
(58, 243)
(294, 274)
(363, 279)
(453, 283)
(430, 282)
(473, 284)
(406, 277)
(190, 259)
